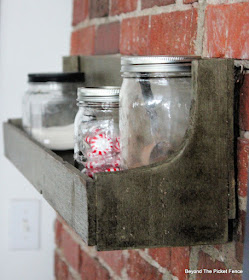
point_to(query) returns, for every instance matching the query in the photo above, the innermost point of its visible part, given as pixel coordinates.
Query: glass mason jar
(155, 100)
(49, 108)
(96, 130)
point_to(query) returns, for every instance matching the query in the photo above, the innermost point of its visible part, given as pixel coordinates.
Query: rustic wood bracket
(185, 200)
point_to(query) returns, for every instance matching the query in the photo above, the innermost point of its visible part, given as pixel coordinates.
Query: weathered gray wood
(180, 202)
(246, 242)
(184, 200)
(68, 191)
(71, 64)
(100, 70)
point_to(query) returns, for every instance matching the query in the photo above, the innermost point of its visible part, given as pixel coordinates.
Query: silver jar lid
(156, 63)
(98, 94)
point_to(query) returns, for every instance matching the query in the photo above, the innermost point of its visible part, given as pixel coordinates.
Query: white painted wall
(34, 35)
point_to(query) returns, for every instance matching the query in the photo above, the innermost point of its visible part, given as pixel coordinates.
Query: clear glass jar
(155, 100)
(96, 128)
(49, 108)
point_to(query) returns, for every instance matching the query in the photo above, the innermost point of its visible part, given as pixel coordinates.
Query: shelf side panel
(183, 201)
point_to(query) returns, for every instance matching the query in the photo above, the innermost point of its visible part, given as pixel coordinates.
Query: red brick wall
(212, 28)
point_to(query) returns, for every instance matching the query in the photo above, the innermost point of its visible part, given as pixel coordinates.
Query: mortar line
(221, 255)
(91, 252)
(105, 265)
(244, 63)
(242, 203)
(139, 5)
(137, 13)
(110, 7)
(200, 40)
(193, 261)
(74, 273)
(156, 10)
(154, 263)
(219, 2)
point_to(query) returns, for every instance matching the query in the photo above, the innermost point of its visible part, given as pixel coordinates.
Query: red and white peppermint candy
(94, 157)
(117, 145)
(117, 163)
(88, 139)
(101, 144)
(94, 164)
(90, 172)
(113, 161)
(91, 155)
(112, 169)
(95, 130)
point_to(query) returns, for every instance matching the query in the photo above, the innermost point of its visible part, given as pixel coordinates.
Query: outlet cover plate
(24, 224)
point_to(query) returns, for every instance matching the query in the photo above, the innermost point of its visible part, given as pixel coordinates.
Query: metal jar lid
(156, 63)
(69, 77)
(98, 94)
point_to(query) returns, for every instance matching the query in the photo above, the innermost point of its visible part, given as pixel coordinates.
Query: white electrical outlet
(24, 225)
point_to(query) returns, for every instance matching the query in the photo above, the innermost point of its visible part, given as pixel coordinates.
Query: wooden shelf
(187, 200)
(67, 190)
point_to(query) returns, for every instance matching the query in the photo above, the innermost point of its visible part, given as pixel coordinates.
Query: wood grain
(69, 192)
(184, 200)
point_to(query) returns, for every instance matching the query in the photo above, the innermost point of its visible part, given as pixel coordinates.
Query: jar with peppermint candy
(96, 128)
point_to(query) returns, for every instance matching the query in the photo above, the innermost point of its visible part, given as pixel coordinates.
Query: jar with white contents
(96, 130)
(49, 108)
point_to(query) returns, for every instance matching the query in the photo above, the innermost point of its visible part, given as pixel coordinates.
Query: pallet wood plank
(184, 200)
(100, 70)
(71, 64)
(68, 191)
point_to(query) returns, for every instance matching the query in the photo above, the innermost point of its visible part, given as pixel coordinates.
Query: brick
(162, 256)
(239, 251)
(218, 247)
(173, 33)
(151, 3)
(206, 262)
(244, 104)
(107, 38)
(58, 230)
(169, 34)
(70, 249)
(180, 261)
(80, 11)
(237, 276)
(82, 41)
(239, 246)
(122, 6)
(138, 268)
(99, 8)
(242, 225)
(226, 31)
(175, 259)
(114, 259)
(242, 165)
(60, 268)
(70, 277)
(189, 1)
(91, 269)
(134, 36)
